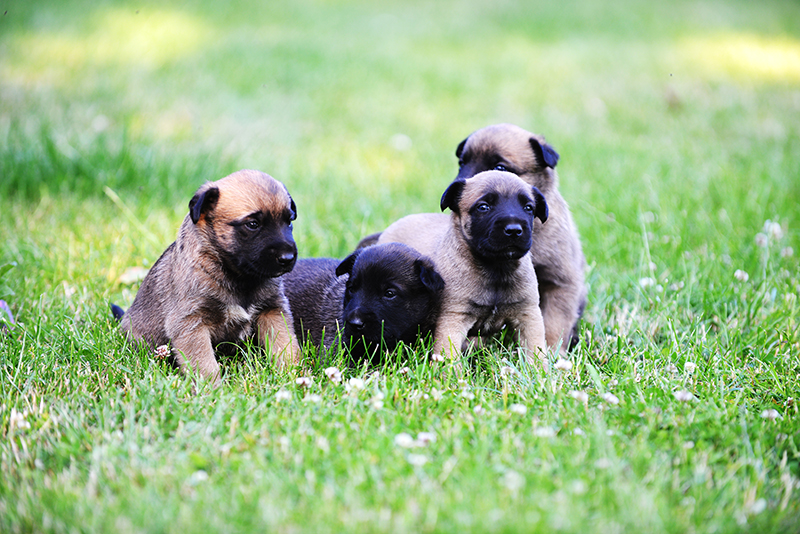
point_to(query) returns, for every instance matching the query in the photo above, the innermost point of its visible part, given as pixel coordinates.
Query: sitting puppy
(377, 296)
(556, 247)
(219, 281)
(483, 254)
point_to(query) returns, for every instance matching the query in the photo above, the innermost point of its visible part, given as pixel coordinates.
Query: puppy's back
(422, 231)
(315, 298)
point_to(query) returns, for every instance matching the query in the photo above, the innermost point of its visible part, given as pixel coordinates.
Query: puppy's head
(495, 211)
(392, 294)
(506, 147)
(245, 220)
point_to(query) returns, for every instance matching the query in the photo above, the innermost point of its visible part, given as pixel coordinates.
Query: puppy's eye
(390, 293)
(483, 207)
(252, 224)
(528, 208)
(500, 167)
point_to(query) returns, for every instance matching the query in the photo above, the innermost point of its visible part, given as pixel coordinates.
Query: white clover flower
(741, 275)
(647, 282)
(17, 420)
(683, 396)
(610, 398)
(507, 370)
(773, 229)
(312, 397)
(467, 394)
(579, 432)
(355, 384)
(613, 382)
(787, 252)
(405, 370)
(513, 481)
(425, 438)
(563, 364)
(162, 352)
(770, 414)
(758, 506)
(322, 444)
(376, 402)
(436, 357)
(333, 374)
(436, 394)
(304, 381)
(580, 396)
(762, 240)
(689, 367)
(283, 395)
(544, 432)
(672, 369)
(479, 410)
(405, 440)
(417, 460)
(519, 409)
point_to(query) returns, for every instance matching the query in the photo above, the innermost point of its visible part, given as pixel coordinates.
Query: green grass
(677, 127)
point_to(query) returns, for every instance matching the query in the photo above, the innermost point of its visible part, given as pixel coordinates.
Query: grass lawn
(678, 126)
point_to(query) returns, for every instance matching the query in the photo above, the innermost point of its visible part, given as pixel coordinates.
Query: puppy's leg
(560, 307)
(276, 331)
(192, 349)
(450, 335)
(531, 336)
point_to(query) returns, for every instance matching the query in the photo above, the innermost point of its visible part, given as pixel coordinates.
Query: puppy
(219, 282)
(375, 297)
(483, 255)
(556, 247)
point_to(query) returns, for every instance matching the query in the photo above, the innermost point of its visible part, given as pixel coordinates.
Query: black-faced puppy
(219, 281)
(556, 250)
(556, 247)
(376, 297)
(483, 255)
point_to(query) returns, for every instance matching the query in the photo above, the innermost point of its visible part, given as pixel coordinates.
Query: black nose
(286, 258)
(356, 323)
(513, 230)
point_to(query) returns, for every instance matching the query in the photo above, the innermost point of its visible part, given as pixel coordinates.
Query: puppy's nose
(286, 258)
(356, 323)
(513, 230)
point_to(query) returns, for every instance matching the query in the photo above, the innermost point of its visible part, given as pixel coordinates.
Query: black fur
(203, 202)
(379, 296)
(117, 312)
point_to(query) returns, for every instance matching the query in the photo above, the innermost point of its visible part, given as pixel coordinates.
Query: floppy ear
(544, 153)
(452, 195)
(541, 211)
(346, 267)
(428, 275)
(292, 208)
(204, 200)
(460, 148)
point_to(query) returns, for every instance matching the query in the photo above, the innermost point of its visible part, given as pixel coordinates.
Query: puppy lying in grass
(373, 299)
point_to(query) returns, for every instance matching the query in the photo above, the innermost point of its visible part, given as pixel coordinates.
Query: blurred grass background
(677, 125)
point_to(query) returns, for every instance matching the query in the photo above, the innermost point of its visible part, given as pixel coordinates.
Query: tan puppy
(219, 282)
(483, 255)
(556, 248)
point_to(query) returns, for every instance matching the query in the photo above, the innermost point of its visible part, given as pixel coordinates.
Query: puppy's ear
(544, 153)
(452, 195)
(346, 267)
(292, 208)
(460, 148)
(428, 275)
(202, 202)
(541, 211)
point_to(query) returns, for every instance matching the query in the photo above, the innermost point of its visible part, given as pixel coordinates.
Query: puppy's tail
(117, 312)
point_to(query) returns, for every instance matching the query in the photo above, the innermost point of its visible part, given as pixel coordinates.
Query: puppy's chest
(233, 322)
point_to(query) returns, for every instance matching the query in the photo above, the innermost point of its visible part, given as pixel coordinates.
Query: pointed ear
(544, 153)
(202, 202)
(346, 267)
(541, 210)
(452, 195)
(460, 148)
(428, 275)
